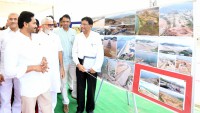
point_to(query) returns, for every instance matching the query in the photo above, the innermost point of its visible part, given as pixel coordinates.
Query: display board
(166, 88)
(158, 38)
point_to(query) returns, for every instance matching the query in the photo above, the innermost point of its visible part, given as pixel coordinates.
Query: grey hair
(13, 14)
(46, 19)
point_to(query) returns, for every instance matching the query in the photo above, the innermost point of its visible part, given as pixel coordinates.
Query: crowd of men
(39, 61)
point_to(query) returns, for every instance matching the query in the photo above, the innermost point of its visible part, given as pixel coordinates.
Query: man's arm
(99, 57)
(62, 72)
(75, 55)
(39, 68)
(15, 69)
(11, 58)
(60, 57)
(75, 51)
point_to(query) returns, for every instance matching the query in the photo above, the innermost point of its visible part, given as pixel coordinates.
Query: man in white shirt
(9, 83)
(25, 59)
(87, 45)
(54, 58)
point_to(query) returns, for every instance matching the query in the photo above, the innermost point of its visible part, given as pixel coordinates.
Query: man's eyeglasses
(84, 24)
(49, 25)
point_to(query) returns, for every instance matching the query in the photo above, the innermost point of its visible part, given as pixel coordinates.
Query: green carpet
(114, 100)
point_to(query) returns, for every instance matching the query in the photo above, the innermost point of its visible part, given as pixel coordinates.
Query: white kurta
(20, 53)
(5, 37)
(53, 47)
(9, 83)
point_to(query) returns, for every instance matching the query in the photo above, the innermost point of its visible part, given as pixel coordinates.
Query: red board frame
(187, 79)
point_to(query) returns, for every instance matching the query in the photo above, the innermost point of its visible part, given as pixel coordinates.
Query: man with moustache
(67, 36)
(25, 58)
(88, 55)
(9, 83)
(54, 57)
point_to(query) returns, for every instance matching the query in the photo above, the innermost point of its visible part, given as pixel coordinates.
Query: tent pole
(53, 11)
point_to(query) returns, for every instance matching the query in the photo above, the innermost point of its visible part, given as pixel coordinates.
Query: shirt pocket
(94, 48)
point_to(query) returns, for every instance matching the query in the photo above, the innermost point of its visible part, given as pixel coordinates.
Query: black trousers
(81, 86)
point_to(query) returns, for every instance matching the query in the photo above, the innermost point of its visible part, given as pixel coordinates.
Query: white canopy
(75, 8)
(9, 6)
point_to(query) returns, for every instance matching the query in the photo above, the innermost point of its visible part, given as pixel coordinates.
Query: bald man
(8, 83)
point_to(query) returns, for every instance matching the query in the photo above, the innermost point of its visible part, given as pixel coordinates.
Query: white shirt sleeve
(12, 68)
(59, 44)
(99, 56)
(75, 51)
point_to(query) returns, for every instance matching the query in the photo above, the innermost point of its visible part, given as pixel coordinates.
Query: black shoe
(90, 112)
(79, 112)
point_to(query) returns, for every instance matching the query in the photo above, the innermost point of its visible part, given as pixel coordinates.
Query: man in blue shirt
(67, 36)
